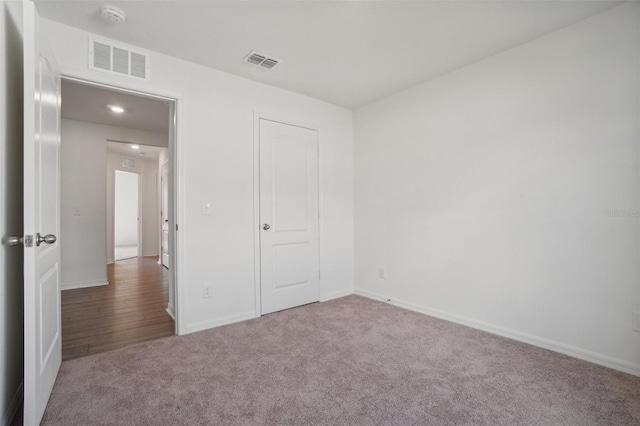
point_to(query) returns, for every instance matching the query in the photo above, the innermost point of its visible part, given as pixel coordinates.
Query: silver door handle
(49, 239)
(27, 240)
(13, 241)
(266, 227)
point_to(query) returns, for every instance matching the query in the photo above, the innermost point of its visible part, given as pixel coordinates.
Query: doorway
(116, 147)
(126, 217)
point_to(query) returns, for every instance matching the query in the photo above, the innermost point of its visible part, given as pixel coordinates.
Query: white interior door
(289, 251)
(42, 325)
(164, 214)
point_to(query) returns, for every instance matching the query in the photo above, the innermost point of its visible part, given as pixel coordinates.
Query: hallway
(127, 311)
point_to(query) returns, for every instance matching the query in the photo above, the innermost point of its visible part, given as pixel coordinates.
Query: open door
(164, 214)
(42, 320)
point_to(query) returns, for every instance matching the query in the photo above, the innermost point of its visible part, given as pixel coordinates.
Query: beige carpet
(345, 362)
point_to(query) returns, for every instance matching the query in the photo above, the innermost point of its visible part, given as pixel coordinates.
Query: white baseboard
(583, 354)
(149, 254)
(205, 325)
(12, 409)
(371, 295)
(83, 284)
(171, 311)
(336, 295)
(110, 261)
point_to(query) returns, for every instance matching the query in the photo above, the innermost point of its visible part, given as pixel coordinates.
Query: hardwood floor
(129, 310)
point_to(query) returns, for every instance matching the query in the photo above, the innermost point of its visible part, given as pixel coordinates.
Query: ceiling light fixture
(112, 14)
(116, 109)
(135, 146)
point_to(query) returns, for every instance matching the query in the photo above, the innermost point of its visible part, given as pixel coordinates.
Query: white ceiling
(146, 152)
(89, 103)
(345, 52)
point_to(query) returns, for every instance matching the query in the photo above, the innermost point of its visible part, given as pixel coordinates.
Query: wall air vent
(128, 163)
(263, 61)
(119, 59)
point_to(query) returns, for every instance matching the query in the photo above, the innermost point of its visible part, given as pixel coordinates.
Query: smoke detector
(112, 14)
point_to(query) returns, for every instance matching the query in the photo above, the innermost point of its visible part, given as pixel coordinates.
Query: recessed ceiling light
(135, 146)
(116, 109)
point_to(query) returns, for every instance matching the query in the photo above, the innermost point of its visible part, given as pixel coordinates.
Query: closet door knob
(48, 239)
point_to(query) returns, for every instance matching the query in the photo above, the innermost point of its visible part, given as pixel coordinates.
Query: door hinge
(176, 226)
(28, 240)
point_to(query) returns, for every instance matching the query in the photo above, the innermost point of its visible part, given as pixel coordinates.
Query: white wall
(149, 208)
(11, 279)
(126, 205)
(150, 214)
(215, 155)
(83, 170)
(483, 192)
(86, 181)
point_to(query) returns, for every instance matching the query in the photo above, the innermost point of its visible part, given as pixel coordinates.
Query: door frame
(113, 205)
(177, 179)
(291, 121)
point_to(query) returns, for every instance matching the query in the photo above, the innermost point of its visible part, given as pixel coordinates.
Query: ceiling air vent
(117, 59)
(262, 61)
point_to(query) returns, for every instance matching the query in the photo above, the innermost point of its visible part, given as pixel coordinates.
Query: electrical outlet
(381, 272)
(77, 211)
(206, 294)
(636, 321)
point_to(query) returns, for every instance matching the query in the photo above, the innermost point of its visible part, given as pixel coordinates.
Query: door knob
(14, 241)
(49, 239)
(266, 226)
(27, 240)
